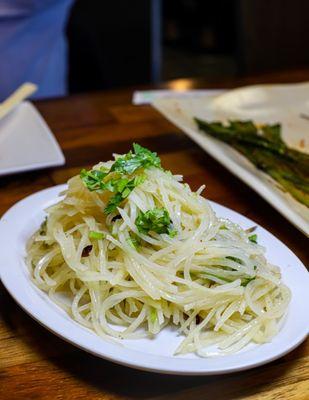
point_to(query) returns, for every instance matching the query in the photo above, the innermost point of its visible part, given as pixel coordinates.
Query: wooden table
(34, 364)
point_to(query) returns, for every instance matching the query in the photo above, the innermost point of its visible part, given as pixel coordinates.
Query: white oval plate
(148, 354)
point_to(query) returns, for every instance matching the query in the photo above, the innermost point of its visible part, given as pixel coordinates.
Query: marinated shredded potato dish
(131, 249)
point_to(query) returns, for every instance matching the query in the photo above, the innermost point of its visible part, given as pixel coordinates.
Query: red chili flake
(86, 250)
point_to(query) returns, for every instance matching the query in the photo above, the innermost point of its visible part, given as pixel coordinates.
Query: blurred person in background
(33, 46)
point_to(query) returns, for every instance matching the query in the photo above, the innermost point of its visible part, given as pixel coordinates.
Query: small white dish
(149, 96)
(26, 142)
(156, 355)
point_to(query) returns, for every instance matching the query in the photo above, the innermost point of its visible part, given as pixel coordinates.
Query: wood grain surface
(35, 364)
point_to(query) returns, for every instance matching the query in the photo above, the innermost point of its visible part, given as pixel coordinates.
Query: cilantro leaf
(93, 179)
(122, 187)
(123, 184)
(172, 232)
(156, 220)
(141, 158)
(113, 203)
(253, 238)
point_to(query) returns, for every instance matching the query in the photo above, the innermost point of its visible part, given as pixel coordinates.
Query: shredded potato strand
(209, 279)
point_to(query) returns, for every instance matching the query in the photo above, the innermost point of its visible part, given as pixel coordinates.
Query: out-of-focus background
(73, 46)
(125, 43)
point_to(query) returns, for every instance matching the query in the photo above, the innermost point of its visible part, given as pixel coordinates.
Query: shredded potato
(209, 279)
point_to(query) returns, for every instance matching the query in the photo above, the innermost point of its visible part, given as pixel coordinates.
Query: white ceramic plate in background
(26, 142)
(287, 104)
(148, 354)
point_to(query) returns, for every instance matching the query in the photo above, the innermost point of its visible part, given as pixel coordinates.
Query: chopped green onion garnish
(122, 187)
(96, 235)
(155, 220)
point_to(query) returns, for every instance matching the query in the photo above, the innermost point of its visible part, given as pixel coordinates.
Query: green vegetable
(119, 179)
(153, 315)
(122, 188)
(156, 220)
(113, 203)
(141, 158)
(93, 179)
(264, 147)
(172, 232)
(96, 235)
(253, 238)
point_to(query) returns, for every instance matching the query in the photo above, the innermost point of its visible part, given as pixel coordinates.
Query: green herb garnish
(118, 179)
(113, 203)
(155, 220)
(140, 158)
(264, 147)
(122, 188)
(96, 235)
(93, 179)
(153, 315)
(253, 238)
(172, 232)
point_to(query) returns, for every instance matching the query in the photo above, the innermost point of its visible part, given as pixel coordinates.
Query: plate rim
(129, 357)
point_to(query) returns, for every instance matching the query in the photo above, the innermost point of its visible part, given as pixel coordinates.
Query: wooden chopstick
(17, 97)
